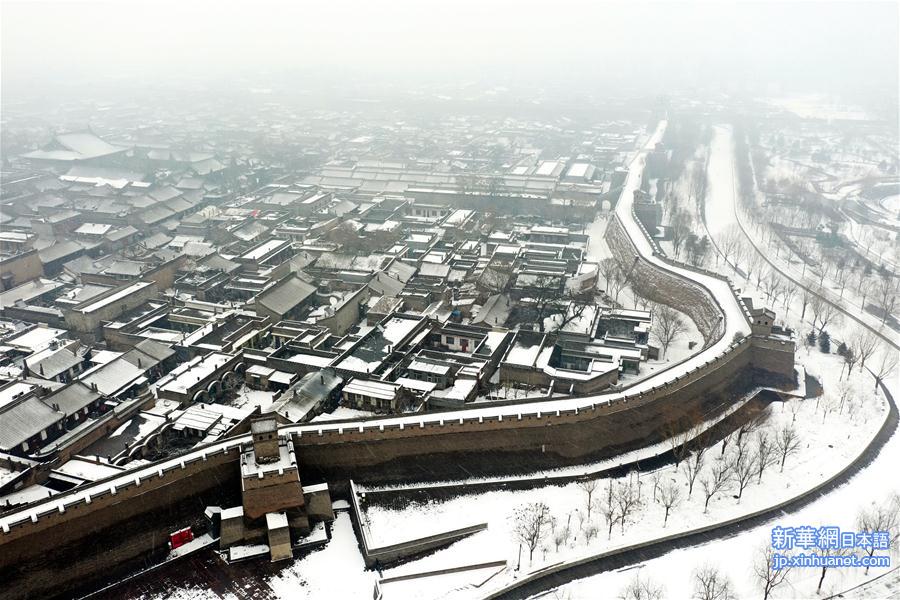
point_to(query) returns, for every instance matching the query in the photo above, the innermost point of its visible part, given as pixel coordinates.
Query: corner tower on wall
(270, 477)
(773, 346)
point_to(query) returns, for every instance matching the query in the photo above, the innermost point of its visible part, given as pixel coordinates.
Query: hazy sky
(783, 46)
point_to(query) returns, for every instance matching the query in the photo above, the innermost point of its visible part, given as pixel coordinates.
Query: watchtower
(265, 439)
(270, 476)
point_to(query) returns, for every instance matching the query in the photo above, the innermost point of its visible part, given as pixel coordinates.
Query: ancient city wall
(664, 287)
(565, 435)
(86, 549)
(530, 439)
(595, 427)
(94, 504)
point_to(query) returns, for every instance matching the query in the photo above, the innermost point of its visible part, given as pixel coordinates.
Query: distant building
(77, 147)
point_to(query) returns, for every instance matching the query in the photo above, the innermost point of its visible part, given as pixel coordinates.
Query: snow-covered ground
(334, 571)
(250, 399)
(343, 412)
(816, 106)
(734, 555)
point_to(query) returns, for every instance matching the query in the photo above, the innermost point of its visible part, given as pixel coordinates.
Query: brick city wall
(437, 441)
(82, 547)
(532, 439)
(664, 287)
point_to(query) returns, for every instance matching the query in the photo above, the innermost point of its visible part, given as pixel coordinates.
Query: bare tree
(772, 286)
(865, 343)
(787, 441)
(766, 453)
(614, 277)
(692, 467)
(531, 525)
(701, 436)
(850, 359)
(668, 325)
(627, 501)
(755, 263)
(864, 287)
(680, 228)
(828, 405)
(806, 297)
(589, 530)
(879, 517)
(588, 486)
(711, 584)
(618, 282)
(730, 243)
(561, 534)
(824, 552)
(641, 589)
(577, 303)
(545, 294)
(743, 468)
(495, 278)
(608, 508)
(823, 312)
(795, 407)
(716, 480)
(846, 391)
(606, 267)
(887, 295)
(751, 425)
(679, 436)
(669, 496)
(767, 576)
(841, 276)
(886, 366)
(655, 478)
(788, 291)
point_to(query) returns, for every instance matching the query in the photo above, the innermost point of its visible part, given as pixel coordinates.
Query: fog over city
(467, 300)
(849, 48)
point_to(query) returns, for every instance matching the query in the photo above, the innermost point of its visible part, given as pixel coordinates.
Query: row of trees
(828, 251)
(710, 583)
(860, 348)
(744, 457)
